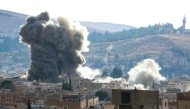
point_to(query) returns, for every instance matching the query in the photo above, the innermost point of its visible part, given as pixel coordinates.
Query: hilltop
(102, 27)
(11, 21)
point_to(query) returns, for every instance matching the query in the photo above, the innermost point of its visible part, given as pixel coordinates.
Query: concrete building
(91, 101)
(108, 107)
(165, 103)
(183, 100)
(137, 99)
(66, 102)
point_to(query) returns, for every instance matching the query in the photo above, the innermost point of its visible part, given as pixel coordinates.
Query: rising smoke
(142, 76)
(145, 74)
(55, 48)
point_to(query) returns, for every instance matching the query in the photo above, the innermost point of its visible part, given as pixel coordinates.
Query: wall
(96, 101)
(70, 104)
(89, 102)
(108, 107)
(148, 99)
(165, 103)
(183, 104)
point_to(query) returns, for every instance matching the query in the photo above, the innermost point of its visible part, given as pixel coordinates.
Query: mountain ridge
(11, 21)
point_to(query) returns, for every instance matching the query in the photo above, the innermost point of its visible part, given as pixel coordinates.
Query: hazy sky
(131, 12)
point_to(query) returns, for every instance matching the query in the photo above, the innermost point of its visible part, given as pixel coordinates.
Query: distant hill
(103, 26)
(171, 51)
(11, 21)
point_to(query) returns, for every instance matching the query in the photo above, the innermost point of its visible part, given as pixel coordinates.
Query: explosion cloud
(142, 76)
(55, 48)
(145, 74)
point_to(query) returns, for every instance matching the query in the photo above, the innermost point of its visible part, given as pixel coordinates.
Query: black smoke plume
(55, 48)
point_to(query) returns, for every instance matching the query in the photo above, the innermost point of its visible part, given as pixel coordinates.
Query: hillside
(103, 26)
(11, 21)
(170, 51)
(124, 49)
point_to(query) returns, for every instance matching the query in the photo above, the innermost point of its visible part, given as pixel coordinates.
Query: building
(165, 103)
(91, 101)
(108, 107)
(66, 102)
(183, 100)
(137, 99)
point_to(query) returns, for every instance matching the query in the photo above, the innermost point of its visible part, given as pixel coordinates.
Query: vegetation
(116, 73)
(133, 33)
(70, 87)
(15, 49)
(103, 95)
(9, 44)
(7, 84)
(105, 74)
(66, 85)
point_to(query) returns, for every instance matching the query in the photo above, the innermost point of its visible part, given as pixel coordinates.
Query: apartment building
(165, 103)
(136, 99)
(66, 102)
(183, 100)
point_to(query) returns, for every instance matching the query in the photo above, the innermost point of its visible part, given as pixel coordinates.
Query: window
(31, 100)
(125, 97)
(11, 95)
(65, 107)
(83, 105)
(7, 99)
(165, 103)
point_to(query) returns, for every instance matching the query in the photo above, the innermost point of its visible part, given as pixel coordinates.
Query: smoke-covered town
(66, 55)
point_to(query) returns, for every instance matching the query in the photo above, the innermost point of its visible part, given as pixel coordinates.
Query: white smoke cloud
(89, 73)
(109, 79)
(96, 74)
(140, 87)
(141, 76)
(145, 73)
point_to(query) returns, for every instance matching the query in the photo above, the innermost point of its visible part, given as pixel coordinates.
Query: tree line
(133, 33)
(67, 85)
(9, 44)
(116, 73)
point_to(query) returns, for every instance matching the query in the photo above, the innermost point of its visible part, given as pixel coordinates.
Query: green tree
(66, 85)
(102, 95)
(116, 73)
(7, 84)
(105, 74)
(108, 98)
(29, 78)
(63, 85)
(70, 87)
(116, 56)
